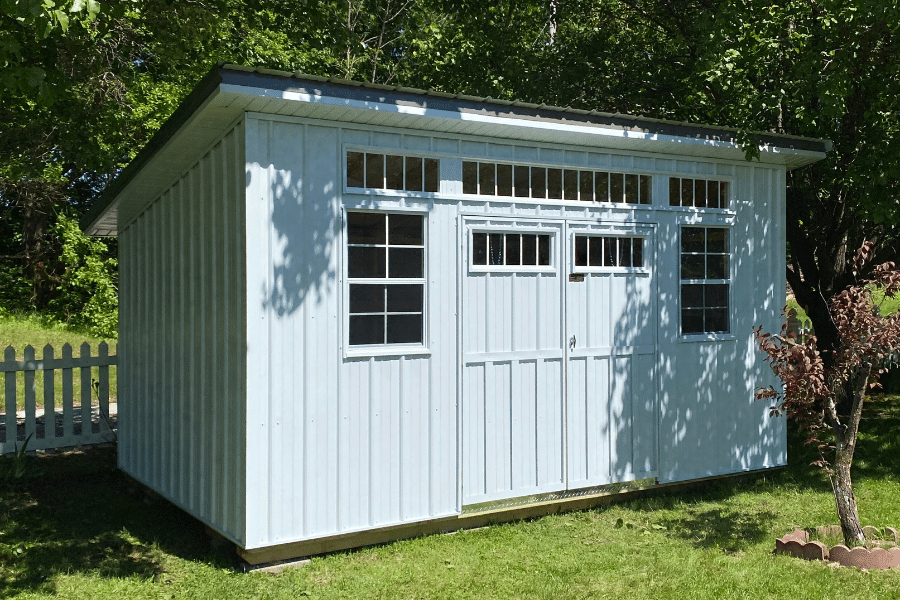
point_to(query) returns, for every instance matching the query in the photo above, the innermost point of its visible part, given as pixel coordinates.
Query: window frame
(368, 191)
(644, 237)
(729, 281)
(385, 348)
(474, 228)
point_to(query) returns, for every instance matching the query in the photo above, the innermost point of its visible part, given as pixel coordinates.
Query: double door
(559, 356)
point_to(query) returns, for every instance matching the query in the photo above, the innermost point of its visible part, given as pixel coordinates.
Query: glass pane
(365, 261)
(723, 194)
(609, 252)
(504, 180)
(717, 266)
(366, 329)
(712, 194)
(496, 249)
(529, 249)
(570, 184)
(554, 184)
(691, 320)
(521, 183)
(717, 240)
(404, 329)
(693, 266)
(405, 262)
(716, 295)
(631, 189)
(692, 295)
(616, 187)
(405, 230)
(513, 249)
(365, 298)
(687, 192)
(700, 193)
(601, 187)
(405, 297)
(645, 189)
(624, 252)
(486, 179)
(544, 250)
(394, 171)
(595, 252)
(375, 171)
(365, 228)
(674, 191)
(716, 320)
(479, 248)
(432, 175)
(692, 239)
(637, 252)
(355, 169)
(538, 182)
(414, 174)
(470, 177)
(587, 186)
(581, 251)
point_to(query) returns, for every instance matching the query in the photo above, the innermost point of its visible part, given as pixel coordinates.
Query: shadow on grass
(77, 513)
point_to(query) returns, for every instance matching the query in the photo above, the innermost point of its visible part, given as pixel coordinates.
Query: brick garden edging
(884, 553)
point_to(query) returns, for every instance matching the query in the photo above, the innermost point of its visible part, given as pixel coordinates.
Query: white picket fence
(71, 420)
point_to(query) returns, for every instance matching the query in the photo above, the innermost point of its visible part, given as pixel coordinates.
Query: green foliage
(87, 293)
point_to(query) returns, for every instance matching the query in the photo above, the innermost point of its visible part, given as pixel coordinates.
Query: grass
(23, 329)
(75, 527)
(887, 306)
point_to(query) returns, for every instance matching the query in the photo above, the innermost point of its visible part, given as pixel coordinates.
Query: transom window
(705, 280)
(699, 193)
(525, 181)
(386, 272)
(497, 249)
(392, 172)
(609, 251)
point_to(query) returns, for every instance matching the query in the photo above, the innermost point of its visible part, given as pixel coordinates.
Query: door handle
(572, 343)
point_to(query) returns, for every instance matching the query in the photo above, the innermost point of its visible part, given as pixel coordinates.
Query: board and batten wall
(182, 341)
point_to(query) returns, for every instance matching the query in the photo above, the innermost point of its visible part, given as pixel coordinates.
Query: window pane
(365, 228)
(394, 171)
(712, 194)
(544, 250)
(692, 295)
(581, 251)
(404, 329)
(587, 186)
(717, 266)
(716, 295)
(521, 183)
(355, 169)
(405, 230)
(700, 193)
(570, 184)
(717, 320)
(616, 187)
(470, 177)
(405, 297)
(479, 248)
(538, 182)
(693, 266)
(624, 252)
(674, 191)
(601, 187)
(692, 239)
(486, 179)
(645, 189)
(365, 262)
(609, 252)
(365, 298)
(405, 262)
(691, 320)
(504, 180)
(723, 194)
(513, 250)
(375, 171)
(595, 252)
(496, 249)
(366, 329)
(432, 175)
(554, 184)
(717, 240)
(414, 174)
(687, 192)
(637, 252)
(529, 249)
(631, 189)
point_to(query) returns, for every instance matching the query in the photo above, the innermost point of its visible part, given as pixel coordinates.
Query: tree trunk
(846, 501)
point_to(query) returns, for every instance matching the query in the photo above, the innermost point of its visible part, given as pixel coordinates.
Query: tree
(814, 388)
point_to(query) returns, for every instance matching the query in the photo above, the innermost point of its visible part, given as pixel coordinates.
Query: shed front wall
(340, 440)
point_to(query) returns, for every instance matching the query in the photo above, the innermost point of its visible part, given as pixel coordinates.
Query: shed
(352, 313)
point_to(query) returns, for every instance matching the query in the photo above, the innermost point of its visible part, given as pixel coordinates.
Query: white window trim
(365, 191)
(645, 270)
(488, 229)
(708, 336)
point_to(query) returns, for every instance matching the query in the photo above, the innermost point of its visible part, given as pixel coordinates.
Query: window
(704, 280)
(699, 193)
(392, 172)
(609, 251)
(386, 272)
(524, 181)
(499, 249)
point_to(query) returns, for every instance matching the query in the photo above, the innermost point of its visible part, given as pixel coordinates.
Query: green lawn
(75, 527)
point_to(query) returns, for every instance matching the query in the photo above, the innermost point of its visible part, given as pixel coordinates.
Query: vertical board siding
(180, 418)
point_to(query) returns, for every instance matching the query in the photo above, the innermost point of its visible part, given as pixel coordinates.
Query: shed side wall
(182, 341)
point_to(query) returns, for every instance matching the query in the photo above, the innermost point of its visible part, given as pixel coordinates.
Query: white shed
(353, 313)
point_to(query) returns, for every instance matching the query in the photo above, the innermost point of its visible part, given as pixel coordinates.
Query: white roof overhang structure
(229, 91)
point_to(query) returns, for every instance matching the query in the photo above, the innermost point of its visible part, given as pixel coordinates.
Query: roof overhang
(227, 92)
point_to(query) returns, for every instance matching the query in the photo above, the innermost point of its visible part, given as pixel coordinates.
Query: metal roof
(228, 91)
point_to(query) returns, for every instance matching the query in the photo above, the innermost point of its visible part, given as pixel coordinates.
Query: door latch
(572, 343)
